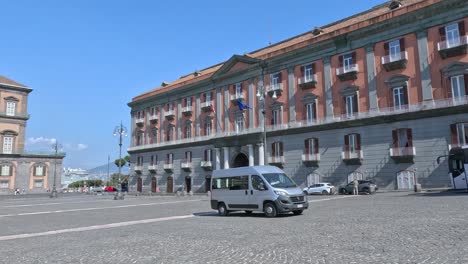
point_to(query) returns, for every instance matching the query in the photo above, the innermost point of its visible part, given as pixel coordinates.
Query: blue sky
(86, 59)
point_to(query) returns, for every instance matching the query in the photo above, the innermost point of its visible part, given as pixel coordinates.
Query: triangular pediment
(234, 64)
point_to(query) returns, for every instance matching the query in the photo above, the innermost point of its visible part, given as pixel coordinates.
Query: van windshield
(279, 180)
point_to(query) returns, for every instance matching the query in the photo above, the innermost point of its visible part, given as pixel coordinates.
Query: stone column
(424, 66)
(226, 157)
(217, 158)
(251, 155)
(251, 95)
(370, 59)
(261, 154)
(197, 116)
(327, 83)
(179, 119)
(226, 111)
(219, 107)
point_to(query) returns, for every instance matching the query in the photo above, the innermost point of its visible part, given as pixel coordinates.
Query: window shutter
(343, 109)
(281, 148)
(405, 94)
(358, 141)
(205, 155)
(354, 58)
(306, 146)
(402, 44)
(304, 113)
(316, 146)
(386, 48)
(346, 143)
(446, 82)
(34, 171)
(442, 33)
(143, 113)
(280, 77)
(395, 138)
(390, 98)
(273, 150)
(461, 28)
(10, 170)
(453, 132)
(409, 135)
(313, 68)
(302, 71)
(340, 59)
(465, 77)
(355, 103)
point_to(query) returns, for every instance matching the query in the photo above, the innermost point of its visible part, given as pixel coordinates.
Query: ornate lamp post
(56, 146)
(261, 93)
(120, 131)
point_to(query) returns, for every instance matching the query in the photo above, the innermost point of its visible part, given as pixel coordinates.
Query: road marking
(95, 227)
(30, 205)
(95, 208)
(329, 199)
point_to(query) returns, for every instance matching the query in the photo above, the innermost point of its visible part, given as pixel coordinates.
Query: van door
(258, 192)
(237, 197)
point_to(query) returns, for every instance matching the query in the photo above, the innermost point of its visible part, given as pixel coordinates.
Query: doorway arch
(405, 180)
(207, 183)
(241, 160)
(139, 184)
(188, 184)
(154, 184)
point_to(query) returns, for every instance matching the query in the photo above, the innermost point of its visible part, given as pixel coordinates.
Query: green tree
(127, 159)
(120, 162)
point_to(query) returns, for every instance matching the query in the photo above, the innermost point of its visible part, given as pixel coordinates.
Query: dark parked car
(365, 186)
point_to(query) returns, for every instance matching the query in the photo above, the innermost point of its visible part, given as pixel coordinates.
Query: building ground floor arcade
(393, 151)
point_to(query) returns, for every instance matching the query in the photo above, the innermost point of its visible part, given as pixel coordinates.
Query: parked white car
(320, 188)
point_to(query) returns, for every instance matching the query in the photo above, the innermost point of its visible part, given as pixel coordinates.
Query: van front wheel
(270, 210)
(222, 210)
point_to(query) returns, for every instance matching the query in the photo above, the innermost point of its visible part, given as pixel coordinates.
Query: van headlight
(283, 193)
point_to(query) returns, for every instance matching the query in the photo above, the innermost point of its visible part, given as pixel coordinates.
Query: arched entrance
(241, 160)
(188, 184)
(207, 183)
(139, 184)
(405, 180)
(170, 184)
(154, 184)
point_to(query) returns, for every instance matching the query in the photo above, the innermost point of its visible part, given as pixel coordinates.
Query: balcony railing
(274, 88)
(168, 166)
(139, 121)
(307, 81)
(311, 157)
(170, 114)
(206, 106)
(186, 165)
(418, 107)
(347, 72)
(398, 152)
(352, 157)
(153, 118)
(16, 115)
(138, 168)
(453, 47)
(152, 167)
(235, 97)
(276, 160)
(206, 164)
(187, 110)
(395, 61)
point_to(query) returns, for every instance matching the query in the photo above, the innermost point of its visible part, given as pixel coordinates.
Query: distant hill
(103, 169)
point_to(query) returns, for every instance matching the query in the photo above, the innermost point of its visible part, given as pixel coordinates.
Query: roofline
(17, 87)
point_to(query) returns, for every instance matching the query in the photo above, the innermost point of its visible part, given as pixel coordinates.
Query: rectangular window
(458, 86)
(238, 89)
(348, 62)
(208, 128)
(462, 133)
(311, 114)
(140, 161)
(350, 105)
(277, 150)
(308, 72)
(38, 183)
(5, 170)
(276, 117)
(39, 170)
(170, 133)
(188, 156)
(399, 100)
(4, 184)
(7, 145)
(10, 108)
(207, 154)
(154, 136)
(207, 97)
(188, 131)
(353, 143)
(275, 80)
(453, 35)
(231, 183)
(152, 160)
(395, 50)
(169, 158)
(310, 146)
(239, 123)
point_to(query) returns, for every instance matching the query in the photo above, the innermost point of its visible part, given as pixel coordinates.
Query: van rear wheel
(270, 210)
(222, 210)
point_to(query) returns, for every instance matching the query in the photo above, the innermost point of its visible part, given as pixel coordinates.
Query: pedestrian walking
(355, 187)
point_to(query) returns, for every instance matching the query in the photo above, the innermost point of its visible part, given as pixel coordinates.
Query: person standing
(355, 187)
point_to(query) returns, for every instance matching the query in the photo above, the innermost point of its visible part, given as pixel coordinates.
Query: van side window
(231, 183)
(257, 182)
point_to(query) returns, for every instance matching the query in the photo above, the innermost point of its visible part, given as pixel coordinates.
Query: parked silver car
(320, 188)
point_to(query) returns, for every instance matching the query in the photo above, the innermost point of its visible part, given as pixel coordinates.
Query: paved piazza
(390, 227)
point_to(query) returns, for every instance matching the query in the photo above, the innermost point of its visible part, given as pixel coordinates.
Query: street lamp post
(53, 194)
(261, 93)
(120, 131)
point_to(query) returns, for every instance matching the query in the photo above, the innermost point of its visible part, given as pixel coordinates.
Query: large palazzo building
(378, 95)
(19, 169)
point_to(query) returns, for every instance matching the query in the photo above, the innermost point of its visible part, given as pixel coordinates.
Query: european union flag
(242, 106)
